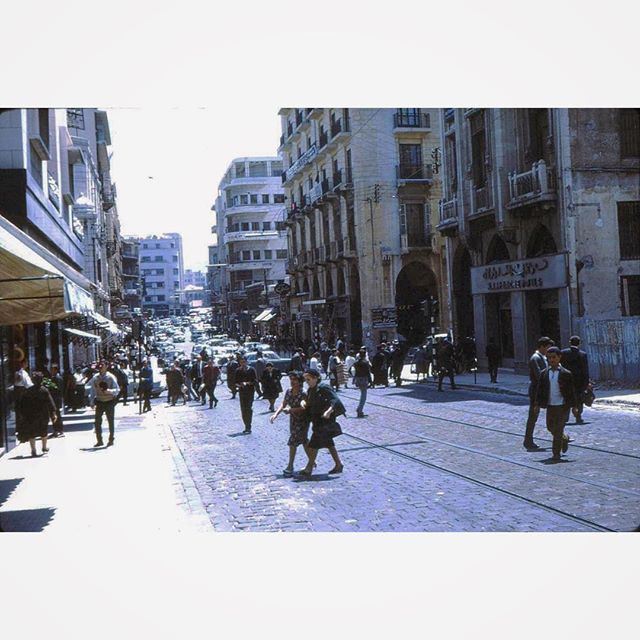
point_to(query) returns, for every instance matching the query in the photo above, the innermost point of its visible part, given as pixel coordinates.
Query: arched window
(541, 243)
(498, 251)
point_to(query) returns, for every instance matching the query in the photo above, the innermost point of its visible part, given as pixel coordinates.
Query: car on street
(280, 363)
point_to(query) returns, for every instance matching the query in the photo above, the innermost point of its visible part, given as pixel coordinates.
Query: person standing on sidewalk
(537, 364)
(188, 383)
(146, 385)
(362, 379)
(246, 382)
(556, 393)
(349, 361)
(175, 379)
(210, 377)
(444, 359)
(104, 397)
(55, 387)
(36, 407)
(196, 376)
(576, 361)
(493, 359)
(380, 366)
(123, 382)
(271, 385)
(397, 362)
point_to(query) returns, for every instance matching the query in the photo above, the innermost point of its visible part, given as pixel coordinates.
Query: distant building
(197, 278)
(162, 272)
(250, 213)
(131, 272)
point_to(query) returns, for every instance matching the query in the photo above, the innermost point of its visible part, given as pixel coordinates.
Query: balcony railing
(535, 183)
(411, 120)
(449, 210)
(413, 171)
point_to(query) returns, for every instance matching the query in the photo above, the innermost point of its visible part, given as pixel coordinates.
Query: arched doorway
(543, 308)
(417, 302)
(499, 321)
(463, 300)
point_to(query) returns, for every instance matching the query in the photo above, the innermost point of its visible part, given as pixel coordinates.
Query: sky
(167, 163)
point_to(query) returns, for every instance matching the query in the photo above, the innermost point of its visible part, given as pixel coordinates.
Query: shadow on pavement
(431, 394)
(27, 520)
(92, 449)
(7, 487)
(27, 457)
(321, 477)
(236, 435)
(548, 461)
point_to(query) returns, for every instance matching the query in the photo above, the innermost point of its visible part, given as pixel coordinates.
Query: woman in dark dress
(37, 408)
(322, 406)
(298, 421)
(271, 386)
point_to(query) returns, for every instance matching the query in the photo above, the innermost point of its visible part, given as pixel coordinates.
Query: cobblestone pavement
(420, 461)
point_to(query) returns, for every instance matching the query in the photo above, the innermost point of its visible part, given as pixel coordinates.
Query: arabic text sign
(545, 272)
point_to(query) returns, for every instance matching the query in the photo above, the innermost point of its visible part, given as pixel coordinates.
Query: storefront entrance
(417, 302)
(463, 300)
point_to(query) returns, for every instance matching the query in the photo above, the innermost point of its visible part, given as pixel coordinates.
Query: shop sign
(384, 318)
(304, 159)
(545, 272)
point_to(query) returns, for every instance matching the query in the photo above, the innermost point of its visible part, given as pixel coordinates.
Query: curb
(621, 404)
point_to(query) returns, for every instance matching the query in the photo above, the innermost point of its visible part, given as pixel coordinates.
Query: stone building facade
(540, 215)
(362, 191)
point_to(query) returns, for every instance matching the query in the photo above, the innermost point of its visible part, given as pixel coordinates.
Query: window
(159, 272)
(145, 246)
(629, 133)
(244, 199)
(281, 254)
(244, 226)
(175, 272)
(278, 198)
(256, 254)
(258, 169)
(276, 169)
(630, 294)
(266, 226)
(451, 164)
(35, 164)
(158, 258)
(161, 298)
(255, 226)
(538, 134)
(43, 126)
(478, 150)
(629, 230)
(145, 259)
(265, 198)
(176, 285)
(268, 254)
(148, 298)
(410, 160)
(246, 256)
(240, 170)
(408, 118)
(175, 258)
(253, 198)
(75, 118)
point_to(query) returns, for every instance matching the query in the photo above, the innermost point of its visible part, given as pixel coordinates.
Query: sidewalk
(139, 484)
(513, 384)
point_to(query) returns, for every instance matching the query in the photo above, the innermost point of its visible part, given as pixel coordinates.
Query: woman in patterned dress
(298, 422)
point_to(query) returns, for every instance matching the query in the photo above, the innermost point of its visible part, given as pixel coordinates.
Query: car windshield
(267, 355)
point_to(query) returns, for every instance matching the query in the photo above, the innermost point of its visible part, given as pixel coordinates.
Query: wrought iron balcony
(411, 120)
(531, 187)
(414, 172)
(449, 211)
(482, 199)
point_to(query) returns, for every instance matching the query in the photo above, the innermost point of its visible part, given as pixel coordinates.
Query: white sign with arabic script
(545, 272)
(306, 157)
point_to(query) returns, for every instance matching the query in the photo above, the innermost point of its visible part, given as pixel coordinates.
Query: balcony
(534, 187)
(246, 265)
(251, 236)
(415, 227)
(414, 120)
(448, 216)
(410, 173)
(320, 255)
(337, 127)
(481, 199)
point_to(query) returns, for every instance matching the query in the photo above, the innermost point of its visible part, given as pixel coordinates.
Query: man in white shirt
(104, 397)
(557, 395)
(314, 363)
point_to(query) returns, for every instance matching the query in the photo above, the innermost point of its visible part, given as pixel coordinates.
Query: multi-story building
(250, 213)
(216, 285)
(195, 278)
(162, 271)
(132, 286)
(53, 243)
(541, 209)
(362, 191)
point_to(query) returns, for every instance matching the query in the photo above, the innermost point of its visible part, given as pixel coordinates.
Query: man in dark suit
(444, 361)
(575, 360)
(493, 359)
(197, 371)
(537, 364)
(246, 383)
(556, 394)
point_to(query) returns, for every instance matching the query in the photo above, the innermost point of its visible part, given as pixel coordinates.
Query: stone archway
(416, 302)
(463, 300)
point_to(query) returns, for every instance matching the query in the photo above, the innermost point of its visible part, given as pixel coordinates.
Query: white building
(195, 278)
(250, 214)
(162, 268)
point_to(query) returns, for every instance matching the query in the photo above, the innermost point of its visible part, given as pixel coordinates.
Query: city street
(420, 461)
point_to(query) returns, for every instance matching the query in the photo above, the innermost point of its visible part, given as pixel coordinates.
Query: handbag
(333, 429)
(588, 396)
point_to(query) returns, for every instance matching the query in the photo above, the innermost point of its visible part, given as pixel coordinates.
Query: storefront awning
(105, 323)
(84, 334)
(35, 286)
(264, 316)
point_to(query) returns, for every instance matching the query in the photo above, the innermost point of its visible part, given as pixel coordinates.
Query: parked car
(269, 356)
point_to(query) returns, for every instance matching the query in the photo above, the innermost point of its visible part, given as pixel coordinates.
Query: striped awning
(35, 286)
(265, 316)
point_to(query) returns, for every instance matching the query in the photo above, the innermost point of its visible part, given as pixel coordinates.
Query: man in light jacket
(104, 396)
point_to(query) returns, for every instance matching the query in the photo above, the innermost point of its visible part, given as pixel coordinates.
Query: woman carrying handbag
(322, 406)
